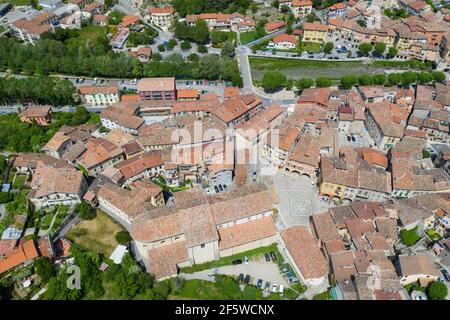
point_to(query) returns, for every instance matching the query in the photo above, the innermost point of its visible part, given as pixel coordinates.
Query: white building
(100, 95)
(161, 17)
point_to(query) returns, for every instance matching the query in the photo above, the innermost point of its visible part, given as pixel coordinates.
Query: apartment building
(100, 95)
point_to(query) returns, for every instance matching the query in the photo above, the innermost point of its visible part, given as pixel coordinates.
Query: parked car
(246, 260)
(267, 286)
(348, 138)
(446, 275)
(292, 280)
(247, 279)
(241, 278)
(274, 288)
(284, 270)
(266, 255)
(273, 255)
(353, 138)
(290, 274)
(237, 261)
(260, 283)
(281, 290)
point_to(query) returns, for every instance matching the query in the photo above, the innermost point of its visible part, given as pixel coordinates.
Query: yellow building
(314, 32)
(332, 190)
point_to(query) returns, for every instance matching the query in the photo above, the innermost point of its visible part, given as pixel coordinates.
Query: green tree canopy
(437, 290)
(273, 80)
(379, 48)
(364, 49)
(123, 237)
(347, 82)
(328, 47)
(85, 211)
(304, 83)
(44, 269)
(322, 82)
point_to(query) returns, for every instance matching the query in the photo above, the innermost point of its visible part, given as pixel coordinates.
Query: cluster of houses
(318, 140)
(28, 24)
(201, 150)
(224, 22)
(424, 35)
(359, 242)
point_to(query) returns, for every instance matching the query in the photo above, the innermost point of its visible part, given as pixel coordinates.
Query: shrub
(437, 290)
(123, 237)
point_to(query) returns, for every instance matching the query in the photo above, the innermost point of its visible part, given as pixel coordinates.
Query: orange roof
(129, 20)
(285, 38)
(305, 252)
(302, 3)
(130, 98)
(229, 92)
(187, 93)
(242, 233)
(314, 26)
(271, 26)
(22, 254)
(161, 10)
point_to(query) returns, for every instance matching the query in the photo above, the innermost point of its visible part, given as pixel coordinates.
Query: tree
(437, 290)
(328, 47)
(392, 52)
(409, 237)
(273, 80)
(379, 49)
(156, 56)
(364, 49)
(379, 79)
(304, 83)
(409, 78)
(201, 32)
(171, 44)
(395, 79)
(228, 49)
(185, 45)
(438, 76)
(285, 9)
(201, 48)
(275, 4)
(347, 82)
(323, 82)
(85, 211)
(361, 23)
(365, 80)
(44, 269)
(194, 57)
(123, 237)
(161, 47)
(424, 77)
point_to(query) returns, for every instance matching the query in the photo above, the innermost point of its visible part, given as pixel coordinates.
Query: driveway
(267, 271)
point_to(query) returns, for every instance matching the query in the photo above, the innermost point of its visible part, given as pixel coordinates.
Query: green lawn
(97, 235)
(19, 181)
(310, 47)
(225, 288)
(280, 63)
(409, 237)
(91, 32)
(228, 260)
(409, 64)
(322, 296)
(433, 234)
(247, 37)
